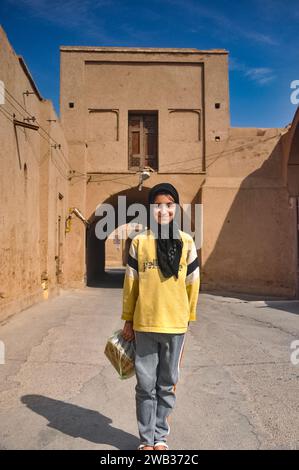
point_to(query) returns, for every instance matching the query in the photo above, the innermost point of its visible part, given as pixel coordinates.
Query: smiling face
(164, 212)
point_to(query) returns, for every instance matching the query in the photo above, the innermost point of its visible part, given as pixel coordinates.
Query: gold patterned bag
(121, 354)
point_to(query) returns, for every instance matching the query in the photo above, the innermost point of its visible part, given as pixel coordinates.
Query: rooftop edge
(164, 50)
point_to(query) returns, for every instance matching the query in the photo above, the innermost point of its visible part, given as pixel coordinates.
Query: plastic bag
(121, 354)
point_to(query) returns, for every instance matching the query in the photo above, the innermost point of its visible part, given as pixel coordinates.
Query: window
(143, 140)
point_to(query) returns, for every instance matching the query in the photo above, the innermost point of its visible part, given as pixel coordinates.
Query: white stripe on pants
(157, 364)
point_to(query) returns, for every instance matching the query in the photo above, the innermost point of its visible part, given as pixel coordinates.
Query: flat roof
(165, 50)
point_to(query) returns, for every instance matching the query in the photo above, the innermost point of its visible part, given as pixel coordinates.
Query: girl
(160, 294)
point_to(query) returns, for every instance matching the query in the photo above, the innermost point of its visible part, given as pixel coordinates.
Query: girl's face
(164, 212)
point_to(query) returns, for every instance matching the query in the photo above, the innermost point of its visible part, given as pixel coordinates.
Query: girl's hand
(128, 332)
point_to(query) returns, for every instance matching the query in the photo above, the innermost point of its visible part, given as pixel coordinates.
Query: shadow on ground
(80, 422)
(112, 278)
(286, 304)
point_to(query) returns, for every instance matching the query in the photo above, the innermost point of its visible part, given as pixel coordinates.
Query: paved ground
(237, 388)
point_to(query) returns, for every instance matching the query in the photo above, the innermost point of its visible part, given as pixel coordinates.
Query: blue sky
(261, 37)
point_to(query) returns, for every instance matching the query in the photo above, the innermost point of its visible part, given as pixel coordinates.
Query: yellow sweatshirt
(155, 303)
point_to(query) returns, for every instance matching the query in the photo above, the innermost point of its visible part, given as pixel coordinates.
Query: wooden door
(143, 140)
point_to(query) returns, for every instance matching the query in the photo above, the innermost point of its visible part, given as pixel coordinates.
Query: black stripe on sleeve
(192, 266)
(132, 262)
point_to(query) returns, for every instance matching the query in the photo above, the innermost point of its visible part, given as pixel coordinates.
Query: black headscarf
(169, 249)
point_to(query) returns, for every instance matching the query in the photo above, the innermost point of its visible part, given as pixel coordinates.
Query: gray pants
(157, 364)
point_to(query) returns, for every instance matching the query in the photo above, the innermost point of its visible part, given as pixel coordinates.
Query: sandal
(145, 447)
(161, 446)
